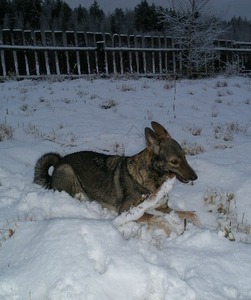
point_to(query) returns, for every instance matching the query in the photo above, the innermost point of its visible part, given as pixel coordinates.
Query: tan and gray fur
(119, 182)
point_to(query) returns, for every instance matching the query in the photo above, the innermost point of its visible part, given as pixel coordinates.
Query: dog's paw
(189, 216)
(174, 222)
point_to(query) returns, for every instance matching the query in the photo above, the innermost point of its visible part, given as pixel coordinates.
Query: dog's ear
(152, 141)
(160, 130)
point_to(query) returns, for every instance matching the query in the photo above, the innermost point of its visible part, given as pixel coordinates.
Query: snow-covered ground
(54, 247)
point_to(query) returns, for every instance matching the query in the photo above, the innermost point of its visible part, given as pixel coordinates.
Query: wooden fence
(38, 53)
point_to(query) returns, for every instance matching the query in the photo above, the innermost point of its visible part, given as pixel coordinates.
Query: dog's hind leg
(65, 179)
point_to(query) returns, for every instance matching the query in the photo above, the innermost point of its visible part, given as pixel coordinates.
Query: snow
(149, 203)
(54, 247)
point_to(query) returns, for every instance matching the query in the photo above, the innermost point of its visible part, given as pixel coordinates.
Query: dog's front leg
(155, 221)
(169, 222)
(189, 216)
(144, 203)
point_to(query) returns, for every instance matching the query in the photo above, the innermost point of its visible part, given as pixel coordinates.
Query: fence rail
(37, 53)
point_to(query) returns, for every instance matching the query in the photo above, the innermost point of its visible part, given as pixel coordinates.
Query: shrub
(6, 132)
(223, 205)
(192, 148)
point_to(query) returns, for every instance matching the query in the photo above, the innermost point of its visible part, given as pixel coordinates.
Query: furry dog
(119, 182)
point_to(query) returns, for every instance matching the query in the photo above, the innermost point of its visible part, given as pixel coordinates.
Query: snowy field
(54, 247)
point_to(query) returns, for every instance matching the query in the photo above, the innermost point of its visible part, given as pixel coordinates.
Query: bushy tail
(41, 174)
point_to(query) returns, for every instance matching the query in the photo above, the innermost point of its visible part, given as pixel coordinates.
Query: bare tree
(193, 29)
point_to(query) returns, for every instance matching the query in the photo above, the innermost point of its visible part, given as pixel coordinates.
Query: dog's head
(167, 155)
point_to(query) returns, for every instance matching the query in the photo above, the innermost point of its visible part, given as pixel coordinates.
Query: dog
(121, 182)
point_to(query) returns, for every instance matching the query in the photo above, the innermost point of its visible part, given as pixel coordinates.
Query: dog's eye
(174, 161)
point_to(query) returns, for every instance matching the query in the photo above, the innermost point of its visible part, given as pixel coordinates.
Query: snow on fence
(25, 53)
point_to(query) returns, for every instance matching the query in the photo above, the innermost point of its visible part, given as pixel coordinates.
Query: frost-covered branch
(194, 30)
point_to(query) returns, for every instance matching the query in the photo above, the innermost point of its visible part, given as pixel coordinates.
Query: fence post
(121, 58)
(15, 55)
(46, 57)
(130, 53)
(153, 55)
(87, 54)
(100, 47)
(2, 56)
(36, 55)
(136, 54)
(77, 53)
(3, 63)
(160, 56)
(144, 53)
(55, 54)
(66, 53)
(105, 56)
(27, 67)
(114, 55)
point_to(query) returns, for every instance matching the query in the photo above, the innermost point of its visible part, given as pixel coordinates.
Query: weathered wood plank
(73, 53)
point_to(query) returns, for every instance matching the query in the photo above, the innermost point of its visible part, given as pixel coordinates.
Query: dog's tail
(41, 174)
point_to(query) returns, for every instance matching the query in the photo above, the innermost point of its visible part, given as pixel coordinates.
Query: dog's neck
(141, 169)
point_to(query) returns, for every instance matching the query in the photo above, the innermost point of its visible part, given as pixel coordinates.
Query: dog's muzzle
(193, 177)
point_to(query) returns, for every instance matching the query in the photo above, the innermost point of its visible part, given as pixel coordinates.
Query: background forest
(58, 15)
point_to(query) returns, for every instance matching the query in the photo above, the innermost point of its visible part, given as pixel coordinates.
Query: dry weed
(6, 132)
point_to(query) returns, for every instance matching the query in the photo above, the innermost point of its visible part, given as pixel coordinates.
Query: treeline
(58, 15)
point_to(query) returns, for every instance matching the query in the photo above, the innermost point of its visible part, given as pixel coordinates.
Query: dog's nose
(194, 177)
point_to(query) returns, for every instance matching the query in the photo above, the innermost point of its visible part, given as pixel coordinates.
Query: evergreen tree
(81, 18)
(96, 16)
(66, 14)
(118, 21)
(147, 17)
(240, 29)
(3, 11)
(27, 13)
